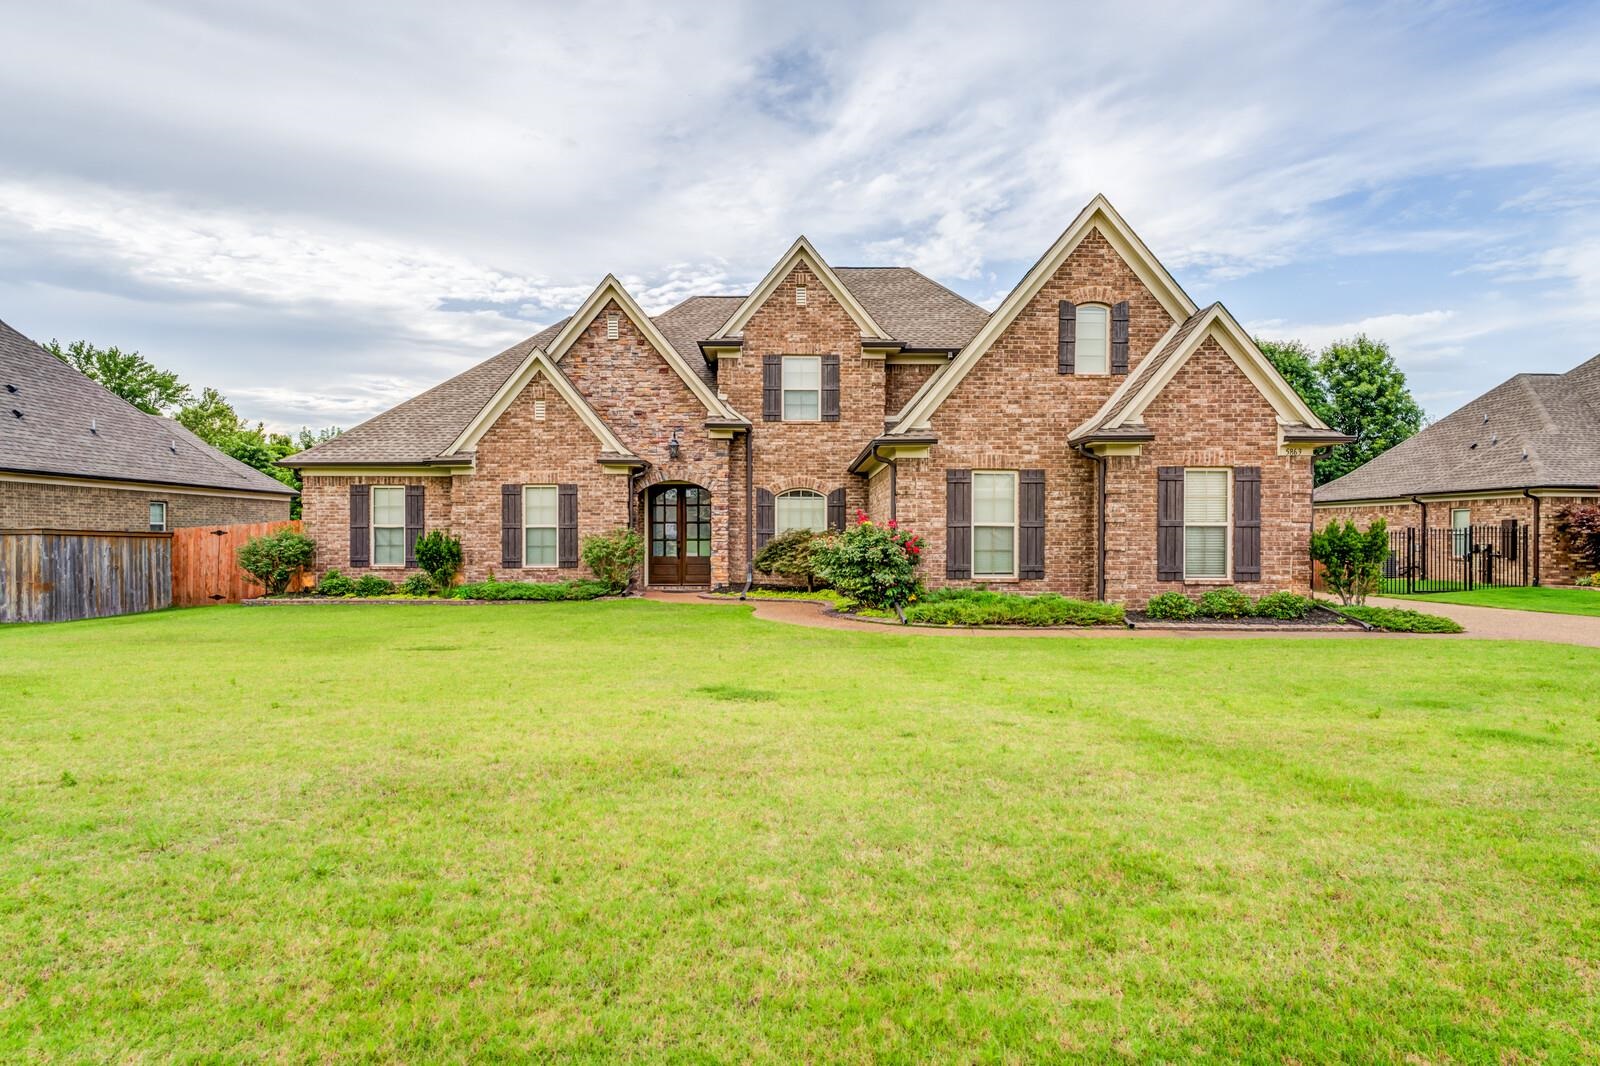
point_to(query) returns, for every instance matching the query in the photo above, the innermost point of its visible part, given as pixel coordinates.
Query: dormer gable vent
(612, 327)
(799, 295)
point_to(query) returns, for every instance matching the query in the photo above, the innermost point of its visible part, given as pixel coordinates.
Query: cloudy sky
(322, 208)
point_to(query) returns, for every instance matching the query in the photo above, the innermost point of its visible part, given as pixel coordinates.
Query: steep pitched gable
(801, 253)
(539, 364)
(1098, 216)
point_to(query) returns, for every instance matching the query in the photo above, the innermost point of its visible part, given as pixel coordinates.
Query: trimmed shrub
(874, 565)
(1578, 530)
(418, 585)
(1352, 560)
(1171, 607)
(533, 590)
(613, 556)
(1397, 620)
(373, 585)
(980, 607)
(791, 554)
(334, 583)
(439, 556)
(276, 558)
(1283, 605)
(1227, 602)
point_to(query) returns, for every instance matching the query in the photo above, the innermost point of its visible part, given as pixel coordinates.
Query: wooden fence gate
(53, 575)
(205, 563)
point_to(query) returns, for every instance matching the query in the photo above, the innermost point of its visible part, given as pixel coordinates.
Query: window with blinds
(539, 522)
(1205, 524)
(388, 525)
(994, 523)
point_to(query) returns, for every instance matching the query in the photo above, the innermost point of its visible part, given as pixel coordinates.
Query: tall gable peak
(801, 252)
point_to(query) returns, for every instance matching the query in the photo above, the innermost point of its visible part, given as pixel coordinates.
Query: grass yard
(627, 831)
(1551, 600)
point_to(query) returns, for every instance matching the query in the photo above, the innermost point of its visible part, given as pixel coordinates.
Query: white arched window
(800, 509)
(1093, 339)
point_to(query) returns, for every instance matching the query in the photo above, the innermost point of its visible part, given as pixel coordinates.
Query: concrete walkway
(1497, 623)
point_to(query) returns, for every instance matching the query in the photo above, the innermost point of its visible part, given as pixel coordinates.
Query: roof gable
(801, 252)
(537, 363)
(1099, 216)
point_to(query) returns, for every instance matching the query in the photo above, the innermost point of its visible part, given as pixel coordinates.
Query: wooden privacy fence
(205, 563)
(59, 575)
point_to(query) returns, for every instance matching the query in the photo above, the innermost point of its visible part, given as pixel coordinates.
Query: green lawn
(638, 831)
(1552, 600)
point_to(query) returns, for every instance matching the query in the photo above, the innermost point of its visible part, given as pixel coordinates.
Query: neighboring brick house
(74, 456)
(1517, 456)
(1097, 435)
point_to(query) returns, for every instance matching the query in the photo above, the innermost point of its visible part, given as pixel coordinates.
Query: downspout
(1537, 574)
(1100, 522)
(749, 514)
(1422, 529)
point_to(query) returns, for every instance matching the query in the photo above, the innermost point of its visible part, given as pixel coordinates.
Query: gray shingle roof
(1533, 431)
(59, 405)
(918, 311)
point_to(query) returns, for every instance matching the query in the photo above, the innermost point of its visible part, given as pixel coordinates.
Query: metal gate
(1457, 560)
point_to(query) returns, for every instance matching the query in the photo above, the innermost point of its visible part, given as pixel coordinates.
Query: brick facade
(36, 505)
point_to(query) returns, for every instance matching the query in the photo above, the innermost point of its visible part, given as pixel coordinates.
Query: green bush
(1352, 561)
(874, 565)
(613, 557)
(418, 585)
(1397, 620)
(334, 583)
(276, 558)
(439, 556)
(1283, 605)
(373, 585)
(533, 590)
(1171, 607)
(791, 554)
(1226, 602)
(980, 607)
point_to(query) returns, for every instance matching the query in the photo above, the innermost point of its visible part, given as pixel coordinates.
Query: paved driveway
(1497, 623)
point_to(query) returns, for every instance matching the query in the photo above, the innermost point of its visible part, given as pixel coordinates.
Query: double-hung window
(800, 509)
(1461, 531)
(1093, 339)
(994, 523)
(158, 516)
(1205, 524)
(802, 388)
(388, 525)
(539, 520)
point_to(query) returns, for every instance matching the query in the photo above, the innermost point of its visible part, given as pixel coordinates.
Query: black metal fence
(1457, 560)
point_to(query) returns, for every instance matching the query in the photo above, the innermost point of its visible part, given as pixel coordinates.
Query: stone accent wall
(1208, 415)
(32, 505)
(808, 455)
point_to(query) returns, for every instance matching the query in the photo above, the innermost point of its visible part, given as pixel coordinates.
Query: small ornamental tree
(439, 555)
(874, 565)
(1578, 528)
(791, 554)
(614, 556)
(276, 558)
(1352, 560)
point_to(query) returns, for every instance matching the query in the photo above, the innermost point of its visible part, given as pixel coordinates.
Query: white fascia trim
(1097, 215)
(801, 251)
(612, 289)
(157, 488)
(1128, 383)
(536, 363)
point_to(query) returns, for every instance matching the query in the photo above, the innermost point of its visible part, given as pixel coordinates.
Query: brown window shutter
(567, 526)
(958, 524)
(360, 525)
(1247, 523)
(836, 509)
(766, 517)
(1169, 523)
(830, 388)
(1067, 339)
(510, 525)
(416, 508)
(1030, 532)
(1119, 338)
(772, 388)
(1508, 539)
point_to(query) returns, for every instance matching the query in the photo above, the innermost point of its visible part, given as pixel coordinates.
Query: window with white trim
(158, 516)
(802, 388)
(1461, 531)
(800, 509)
(994, 523)
(1093, 346)
(388, 525)
(540, 507)
(1205, 524)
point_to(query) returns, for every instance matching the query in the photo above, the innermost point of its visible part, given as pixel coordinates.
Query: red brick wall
(32, 505)
(1557, 566)
(901, 382)
(325, 517)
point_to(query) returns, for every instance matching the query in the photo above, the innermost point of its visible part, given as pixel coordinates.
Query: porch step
(680, 588)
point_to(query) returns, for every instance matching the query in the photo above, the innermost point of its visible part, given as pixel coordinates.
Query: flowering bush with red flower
(875, 565)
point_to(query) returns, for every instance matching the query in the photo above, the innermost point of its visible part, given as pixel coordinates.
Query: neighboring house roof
(55, 421)
(1533, 431)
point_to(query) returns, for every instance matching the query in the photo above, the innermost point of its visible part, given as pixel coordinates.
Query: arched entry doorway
(679, 535)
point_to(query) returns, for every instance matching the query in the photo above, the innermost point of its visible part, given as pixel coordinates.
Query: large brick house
(1513, 458)
(1097, 435)
(74, 456)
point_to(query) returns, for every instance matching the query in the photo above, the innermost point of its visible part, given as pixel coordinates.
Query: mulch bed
(1319, 618)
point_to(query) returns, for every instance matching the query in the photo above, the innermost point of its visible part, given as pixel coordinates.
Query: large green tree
(128, 374)
(213, 419)
(1355, 387)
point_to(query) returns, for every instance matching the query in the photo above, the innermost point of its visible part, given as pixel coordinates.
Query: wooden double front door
(680, 535)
